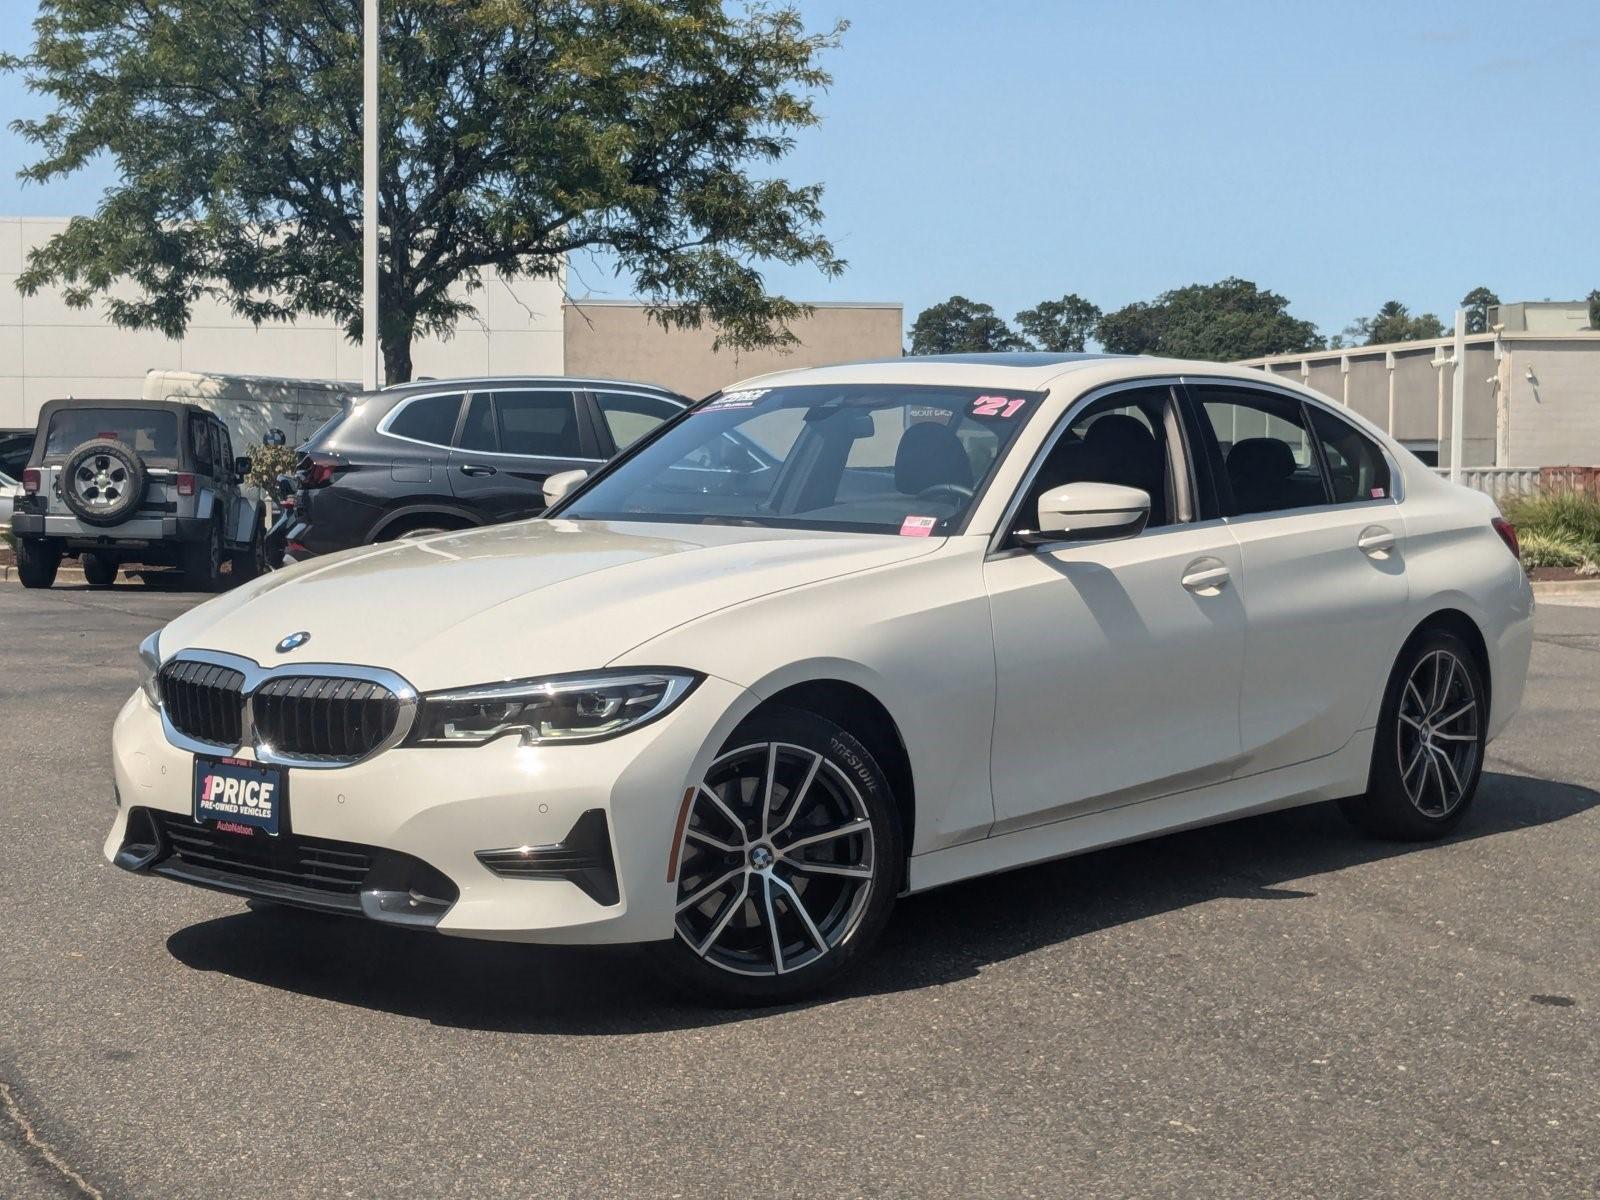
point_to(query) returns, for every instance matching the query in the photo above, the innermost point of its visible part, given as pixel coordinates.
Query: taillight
(1508, 535)
(318, 470)
(185, 485)
(30, 481)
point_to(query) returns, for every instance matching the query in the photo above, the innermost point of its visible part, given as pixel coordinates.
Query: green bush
(1568, 516)
(267, 463)
(1552, 550)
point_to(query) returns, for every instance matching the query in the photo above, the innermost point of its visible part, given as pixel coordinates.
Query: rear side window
(1357, 469)
(1268, 461)
(430, 419)
(629, 417)
(151, 432)
(200, 441)
(542, 424)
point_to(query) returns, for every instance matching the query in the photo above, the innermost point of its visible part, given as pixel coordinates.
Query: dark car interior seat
(930, 455)
(1261, 473)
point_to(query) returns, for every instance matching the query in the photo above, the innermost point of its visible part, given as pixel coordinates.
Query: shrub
(267, 463)
(1551, 550)
(1569, 516)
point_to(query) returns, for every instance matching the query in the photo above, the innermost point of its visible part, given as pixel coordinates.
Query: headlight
(150, 668)
(561, 708)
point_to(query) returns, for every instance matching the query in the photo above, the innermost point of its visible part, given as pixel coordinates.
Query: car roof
(1023, 370)
(50, 406)
(579, 381)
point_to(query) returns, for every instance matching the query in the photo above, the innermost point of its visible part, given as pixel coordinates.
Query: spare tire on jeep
(103, 481)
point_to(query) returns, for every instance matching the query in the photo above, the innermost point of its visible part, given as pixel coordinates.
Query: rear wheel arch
(862, 715)
(407, 520)
(1457, 623)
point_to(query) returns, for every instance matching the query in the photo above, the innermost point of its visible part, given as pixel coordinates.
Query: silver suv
(149, 481)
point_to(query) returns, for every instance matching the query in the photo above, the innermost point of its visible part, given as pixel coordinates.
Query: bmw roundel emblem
(293, 642)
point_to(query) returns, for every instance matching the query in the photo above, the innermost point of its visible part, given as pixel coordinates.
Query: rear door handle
(477, 469)
(1375, 541)
(1207, 575)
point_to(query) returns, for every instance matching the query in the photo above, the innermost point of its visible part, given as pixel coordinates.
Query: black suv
(447, 454)
(149, 481)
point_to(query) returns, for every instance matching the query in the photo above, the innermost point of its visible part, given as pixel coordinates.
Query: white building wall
(48, 349)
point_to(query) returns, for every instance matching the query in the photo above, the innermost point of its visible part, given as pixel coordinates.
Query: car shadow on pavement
(940, 937)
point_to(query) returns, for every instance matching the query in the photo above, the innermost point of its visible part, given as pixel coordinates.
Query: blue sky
(1342, 153)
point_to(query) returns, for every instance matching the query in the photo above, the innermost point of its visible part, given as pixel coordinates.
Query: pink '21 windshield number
(997, 406)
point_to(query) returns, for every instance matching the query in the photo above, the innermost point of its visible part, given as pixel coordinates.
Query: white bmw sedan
(834, 636)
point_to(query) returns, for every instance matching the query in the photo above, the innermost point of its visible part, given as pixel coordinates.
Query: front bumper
(442, 807)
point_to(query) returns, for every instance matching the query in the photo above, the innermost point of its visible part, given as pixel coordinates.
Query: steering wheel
(956, 493)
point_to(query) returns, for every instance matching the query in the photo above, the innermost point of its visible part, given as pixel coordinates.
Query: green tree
(962, 326)
(1393, 322)
(1059, 325)
(1223, 321)
(1594, 309)
(514, 133)
(1478, 302)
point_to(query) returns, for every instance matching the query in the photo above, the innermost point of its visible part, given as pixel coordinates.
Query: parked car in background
(252, 406)
(15, 446)
(9, 490)
(113, 481)
(960, 615)
(447, 454)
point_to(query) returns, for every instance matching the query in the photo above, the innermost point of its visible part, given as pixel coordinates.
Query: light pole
(371, 344)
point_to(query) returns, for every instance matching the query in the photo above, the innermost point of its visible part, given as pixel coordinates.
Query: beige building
(1531, 395)
(616, 339)
(49, 349)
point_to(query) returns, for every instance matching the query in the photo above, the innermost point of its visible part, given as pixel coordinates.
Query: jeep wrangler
(155, 482)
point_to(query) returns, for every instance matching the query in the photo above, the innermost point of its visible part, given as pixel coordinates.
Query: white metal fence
(1499, 482)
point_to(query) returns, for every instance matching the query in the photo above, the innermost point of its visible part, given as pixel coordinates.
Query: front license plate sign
(239, 796)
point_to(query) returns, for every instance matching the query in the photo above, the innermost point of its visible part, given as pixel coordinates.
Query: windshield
(868, 458)
(151, 432)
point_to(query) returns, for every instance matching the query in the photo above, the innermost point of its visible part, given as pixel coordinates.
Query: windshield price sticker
(745, 399)
(1004, 407)
(918, 526)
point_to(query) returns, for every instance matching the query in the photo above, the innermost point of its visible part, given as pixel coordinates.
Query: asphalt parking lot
(1277, 1007)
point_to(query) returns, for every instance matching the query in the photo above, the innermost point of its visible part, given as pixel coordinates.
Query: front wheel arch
(864, 717)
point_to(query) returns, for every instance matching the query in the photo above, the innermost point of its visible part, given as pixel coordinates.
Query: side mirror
(241, 466)
(1089, 512)
(559, 484)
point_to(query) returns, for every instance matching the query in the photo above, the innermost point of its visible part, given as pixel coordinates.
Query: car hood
(512, 601)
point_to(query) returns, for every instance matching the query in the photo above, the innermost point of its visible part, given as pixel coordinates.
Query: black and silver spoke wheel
(100, 482)
(776, 865)
(1427, 753)
(787, 865)
(1437, 733)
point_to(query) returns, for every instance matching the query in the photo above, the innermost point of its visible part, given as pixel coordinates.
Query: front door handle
(1375, 541)
(475, 469)
(1206, 576)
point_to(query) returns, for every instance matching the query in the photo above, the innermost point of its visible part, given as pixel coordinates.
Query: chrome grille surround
(255, 676)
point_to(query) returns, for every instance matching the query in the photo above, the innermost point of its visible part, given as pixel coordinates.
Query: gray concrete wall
(1553, 418)
(617, 340)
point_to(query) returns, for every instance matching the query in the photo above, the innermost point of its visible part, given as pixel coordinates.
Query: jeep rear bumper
(136, 530)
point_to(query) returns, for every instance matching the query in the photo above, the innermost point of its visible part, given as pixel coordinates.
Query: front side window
(541, 424)
(430, 419)
(1122, 439)
(629, 417)
(477, 432)
(869, 458)
(1268, 462)
(1357, 469)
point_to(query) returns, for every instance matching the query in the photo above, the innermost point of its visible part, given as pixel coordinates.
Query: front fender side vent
(582, 858)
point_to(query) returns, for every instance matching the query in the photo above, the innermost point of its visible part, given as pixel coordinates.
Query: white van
(250, 405)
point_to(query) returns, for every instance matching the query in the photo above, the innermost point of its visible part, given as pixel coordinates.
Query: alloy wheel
(100, 482)
(777, 864)
(1438, 733)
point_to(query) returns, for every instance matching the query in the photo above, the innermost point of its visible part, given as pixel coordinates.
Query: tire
(99, 570)
(1427, 754)
(202, 561)
(751, 883)
(252, 560)
(37, 562)
(103, 481)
